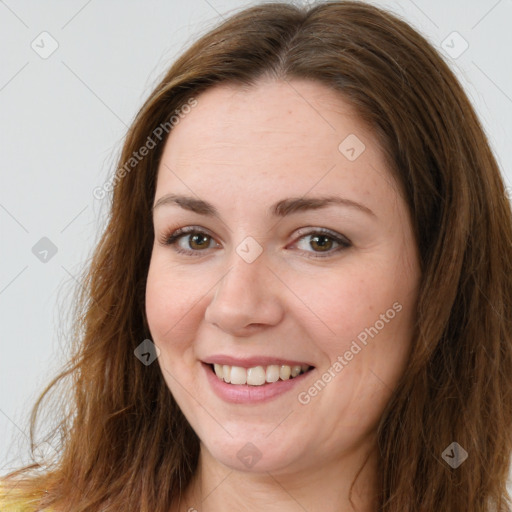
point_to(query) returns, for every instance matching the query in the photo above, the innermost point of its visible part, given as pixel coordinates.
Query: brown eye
(189, 240)
(198, 241)
(322, 242)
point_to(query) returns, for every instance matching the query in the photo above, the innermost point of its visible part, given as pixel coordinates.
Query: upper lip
(251, 362)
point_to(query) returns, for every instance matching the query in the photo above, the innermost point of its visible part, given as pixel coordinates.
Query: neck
(326, 487)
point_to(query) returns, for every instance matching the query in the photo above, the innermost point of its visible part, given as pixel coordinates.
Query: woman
(303, 298)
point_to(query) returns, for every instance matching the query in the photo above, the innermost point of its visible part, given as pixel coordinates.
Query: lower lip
(245, 394)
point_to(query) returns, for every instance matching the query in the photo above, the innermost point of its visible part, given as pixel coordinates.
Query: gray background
(63, 118)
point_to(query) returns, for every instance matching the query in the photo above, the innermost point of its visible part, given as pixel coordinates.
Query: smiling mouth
(258, 375)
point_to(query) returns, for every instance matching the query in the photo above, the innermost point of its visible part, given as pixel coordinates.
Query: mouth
(258, 375)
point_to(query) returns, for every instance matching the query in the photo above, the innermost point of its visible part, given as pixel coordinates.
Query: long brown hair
(124, 443)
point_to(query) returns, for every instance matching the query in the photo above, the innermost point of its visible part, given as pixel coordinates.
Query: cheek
(172, 300)
(371, 298)
(341, 304)
(172, 320)
(161, 317)
(363, 323)
(175, 303)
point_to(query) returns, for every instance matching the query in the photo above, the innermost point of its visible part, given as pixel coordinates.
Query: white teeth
(296, 370)
(238, 375)
(258, 375)
(272, 374)
(285, 372)
(226, 373)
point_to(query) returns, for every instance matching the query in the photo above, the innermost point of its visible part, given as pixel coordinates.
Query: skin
(243, 149)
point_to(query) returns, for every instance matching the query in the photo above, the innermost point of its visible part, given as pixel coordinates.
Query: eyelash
(171, 238)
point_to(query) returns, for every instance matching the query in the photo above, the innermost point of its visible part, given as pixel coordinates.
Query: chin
(257, 453)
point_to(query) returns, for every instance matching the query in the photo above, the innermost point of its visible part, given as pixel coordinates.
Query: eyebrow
(279, 209)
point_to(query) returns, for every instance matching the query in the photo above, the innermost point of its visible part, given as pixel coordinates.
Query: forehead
(268, 114)
(298, 135)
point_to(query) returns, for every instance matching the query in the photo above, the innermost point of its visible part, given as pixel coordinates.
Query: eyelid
(176, 234)
(343, 242)
(311, 230)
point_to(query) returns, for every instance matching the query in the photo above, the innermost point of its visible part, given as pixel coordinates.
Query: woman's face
(297, 254)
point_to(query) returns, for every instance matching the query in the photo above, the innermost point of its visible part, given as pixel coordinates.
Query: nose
(246, 299)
